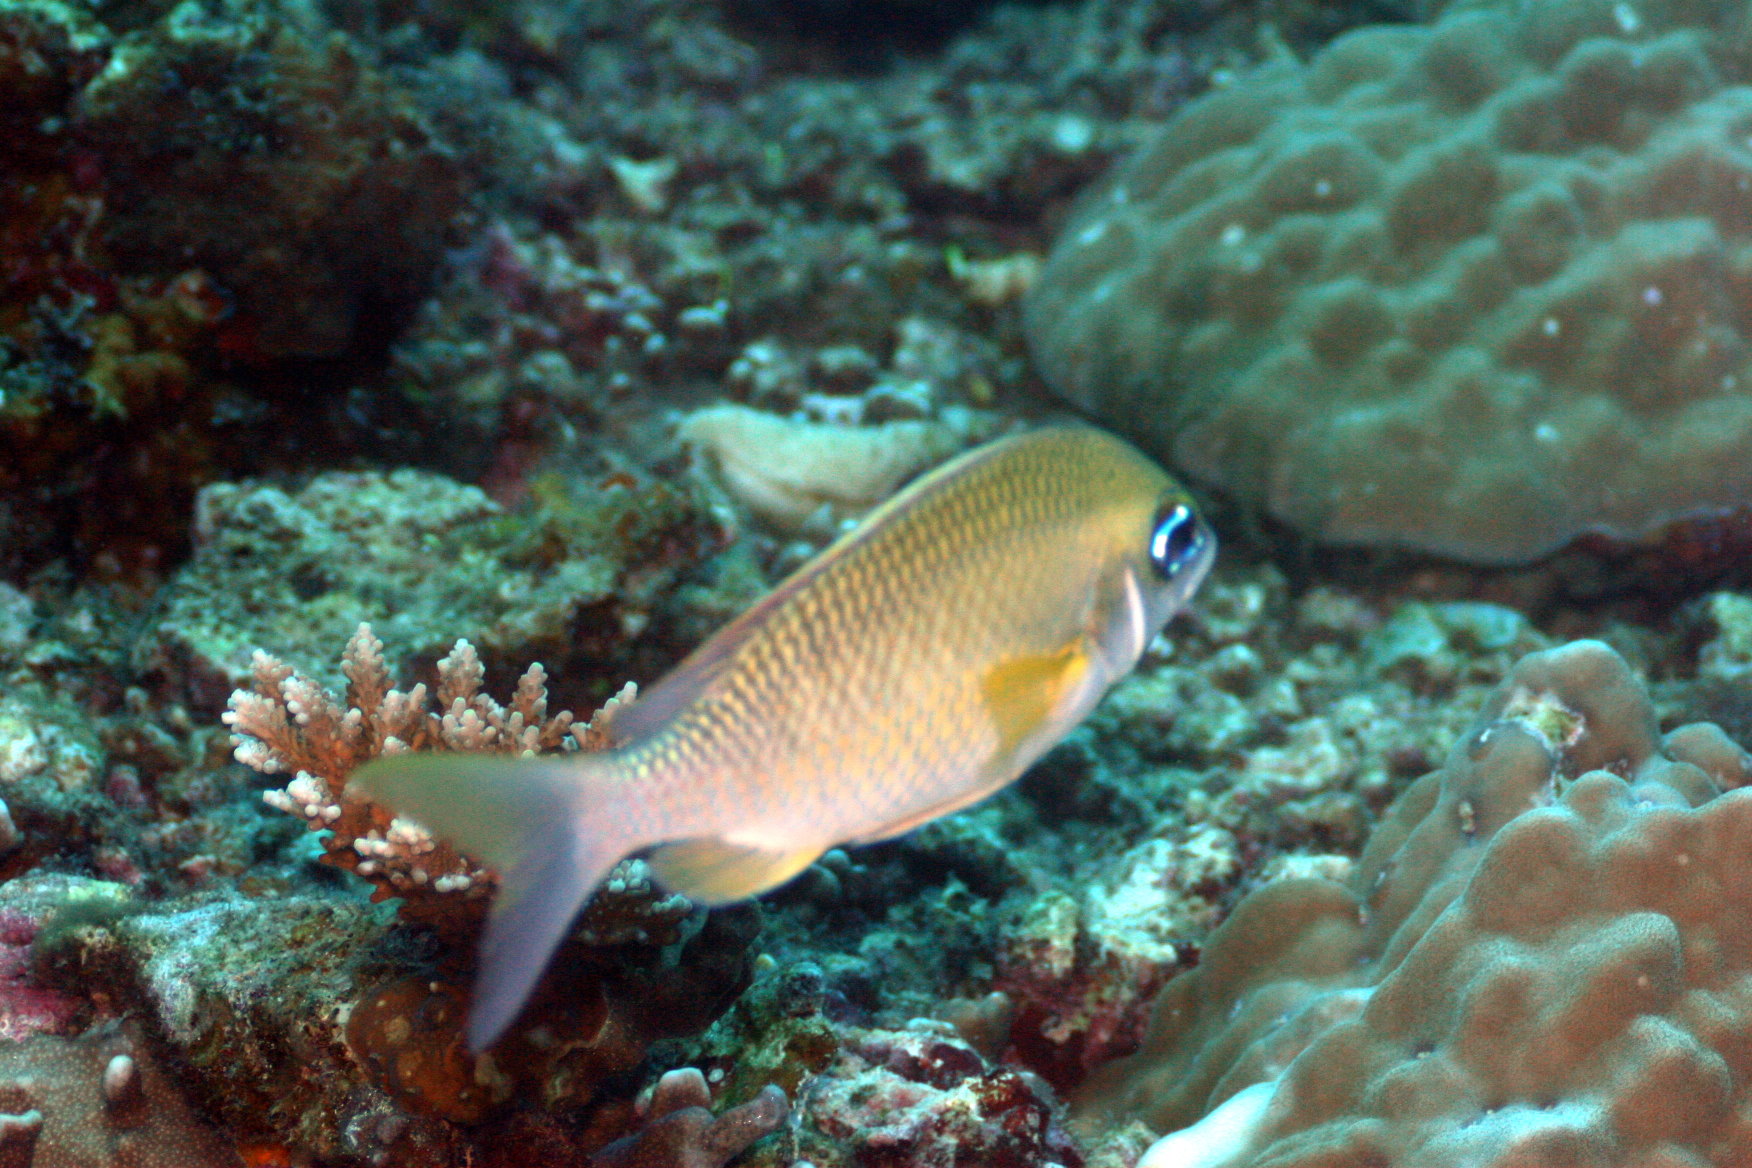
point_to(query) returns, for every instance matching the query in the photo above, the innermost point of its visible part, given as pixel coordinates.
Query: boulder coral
(96, 1100)
(1542, 958)
(1475, 288)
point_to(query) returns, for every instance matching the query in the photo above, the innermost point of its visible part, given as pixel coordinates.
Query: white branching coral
(286, 723)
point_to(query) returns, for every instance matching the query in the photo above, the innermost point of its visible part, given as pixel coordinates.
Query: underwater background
(358, 355)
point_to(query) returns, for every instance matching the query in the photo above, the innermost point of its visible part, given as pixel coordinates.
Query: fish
(913, 667)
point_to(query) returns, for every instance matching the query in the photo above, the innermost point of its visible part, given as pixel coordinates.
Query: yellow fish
(913, 667)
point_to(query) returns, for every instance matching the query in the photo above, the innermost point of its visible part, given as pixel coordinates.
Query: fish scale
(915, 666)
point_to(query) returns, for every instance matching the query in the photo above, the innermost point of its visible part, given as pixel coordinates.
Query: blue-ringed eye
(1177, 540)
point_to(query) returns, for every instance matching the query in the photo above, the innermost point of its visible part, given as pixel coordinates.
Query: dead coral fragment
(785, 470)
(683, 1132)
(287, 723)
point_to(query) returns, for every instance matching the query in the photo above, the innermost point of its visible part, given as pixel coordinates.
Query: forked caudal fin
(548, 826)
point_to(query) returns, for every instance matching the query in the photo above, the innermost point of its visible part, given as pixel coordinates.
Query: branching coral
(287, 723)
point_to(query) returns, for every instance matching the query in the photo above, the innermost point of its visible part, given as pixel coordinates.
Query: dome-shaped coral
(1476, 288)
(1541, 959)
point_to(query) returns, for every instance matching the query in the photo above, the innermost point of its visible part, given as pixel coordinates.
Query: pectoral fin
(1023, 694)
(716, 871)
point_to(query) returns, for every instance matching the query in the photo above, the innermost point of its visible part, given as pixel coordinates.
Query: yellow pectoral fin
(716, 871)
(1023, 694)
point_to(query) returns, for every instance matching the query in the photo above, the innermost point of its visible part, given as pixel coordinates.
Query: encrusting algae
(915, 666)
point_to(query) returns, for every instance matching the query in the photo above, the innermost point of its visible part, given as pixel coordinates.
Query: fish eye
(1177, 540)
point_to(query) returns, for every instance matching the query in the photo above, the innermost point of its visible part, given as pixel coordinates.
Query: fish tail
(549, 828)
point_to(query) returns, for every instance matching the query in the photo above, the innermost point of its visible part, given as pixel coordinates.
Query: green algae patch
(421, 558)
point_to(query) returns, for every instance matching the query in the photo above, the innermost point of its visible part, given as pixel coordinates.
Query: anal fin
(713, 870)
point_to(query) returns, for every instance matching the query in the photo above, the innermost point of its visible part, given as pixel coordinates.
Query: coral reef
(708, 198)
(1076, 969)
(252, 993)
(1474, 288)
(312, 189)
(310, 1023)
(1534, 961)
(531, 349)
(231, 257)
(50, 777)
(816, 436)
(198, 210)
(924, 1097)
(641, 965)
(916, 1093)
(1262, 742)
(135, 789)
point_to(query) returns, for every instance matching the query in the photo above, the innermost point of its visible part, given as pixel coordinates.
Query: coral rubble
(681, 1131)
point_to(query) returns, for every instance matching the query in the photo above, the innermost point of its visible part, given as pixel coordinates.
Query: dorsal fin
(684, 684)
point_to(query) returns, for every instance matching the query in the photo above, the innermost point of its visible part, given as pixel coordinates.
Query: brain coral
(1543, 958)
(1473, 288)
